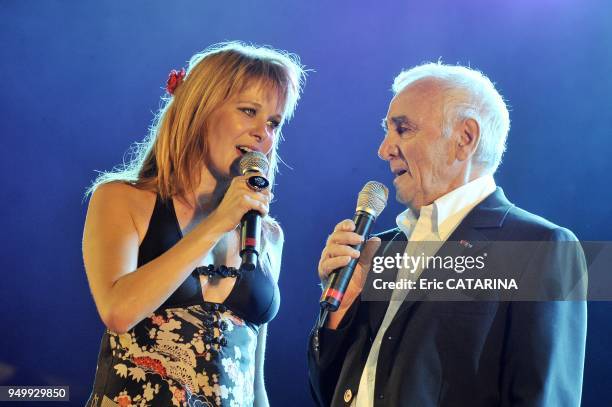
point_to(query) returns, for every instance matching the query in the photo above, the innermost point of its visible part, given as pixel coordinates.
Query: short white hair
(468, 93)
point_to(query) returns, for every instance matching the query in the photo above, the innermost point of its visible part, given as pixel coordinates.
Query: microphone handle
(339, 279)
(250, 232)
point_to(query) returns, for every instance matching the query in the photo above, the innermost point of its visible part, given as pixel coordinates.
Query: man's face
(421, 158)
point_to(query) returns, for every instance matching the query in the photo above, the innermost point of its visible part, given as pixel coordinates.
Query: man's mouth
(400, 172)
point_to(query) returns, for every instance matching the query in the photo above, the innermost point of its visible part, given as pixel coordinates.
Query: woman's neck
(207, 195)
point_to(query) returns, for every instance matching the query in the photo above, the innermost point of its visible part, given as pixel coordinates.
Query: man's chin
(404, 190)
(402, 198)
(409, 201)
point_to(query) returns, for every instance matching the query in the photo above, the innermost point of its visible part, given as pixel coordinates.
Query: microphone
(250, 225)
(370, 203)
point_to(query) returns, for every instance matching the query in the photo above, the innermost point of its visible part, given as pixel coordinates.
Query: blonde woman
(186, 326)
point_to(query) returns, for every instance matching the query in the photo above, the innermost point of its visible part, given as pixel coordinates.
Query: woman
(161, 245)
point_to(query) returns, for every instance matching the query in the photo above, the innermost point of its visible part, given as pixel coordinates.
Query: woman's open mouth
(243, 150)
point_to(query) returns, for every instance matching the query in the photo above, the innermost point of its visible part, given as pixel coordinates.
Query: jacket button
(348, 395)
(381, 396)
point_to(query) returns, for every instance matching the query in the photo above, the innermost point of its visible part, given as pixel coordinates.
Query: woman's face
(247, 121)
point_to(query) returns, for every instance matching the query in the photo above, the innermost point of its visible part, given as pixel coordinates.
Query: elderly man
(446, 131)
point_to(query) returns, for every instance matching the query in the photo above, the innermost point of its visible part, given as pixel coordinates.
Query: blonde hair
(169, 159)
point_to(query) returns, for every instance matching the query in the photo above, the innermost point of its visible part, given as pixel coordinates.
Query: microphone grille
(373, 198)
(254, 161)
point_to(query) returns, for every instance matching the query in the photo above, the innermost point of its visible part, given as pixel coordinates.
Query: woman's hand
(238, 200)
(126, 293)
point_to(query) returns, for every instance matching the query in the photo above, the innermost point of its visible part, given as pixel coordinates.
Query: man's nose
(387, 149)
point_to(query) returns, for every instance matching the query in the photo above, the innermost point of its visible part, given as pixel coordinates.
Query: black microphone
(250, 225)
(370, 203)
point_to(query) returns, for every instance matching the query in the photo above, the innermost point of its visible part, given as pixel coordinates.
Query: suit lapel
(468, 239)
(378, 308)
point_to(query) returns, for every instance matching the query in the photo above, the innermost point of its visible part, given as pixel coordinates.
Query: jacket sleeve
(326, 353)
(544, 348)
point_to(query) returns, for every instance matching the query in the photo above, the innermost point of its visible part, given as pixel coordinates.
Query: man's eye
(249, 111)
(402, 130)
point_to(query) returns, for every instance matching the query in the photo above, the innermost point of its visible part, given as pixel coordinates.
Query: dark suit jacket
(472, 353)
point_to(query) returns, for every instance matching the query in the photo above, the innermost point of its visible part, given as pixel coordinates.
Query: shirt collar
(466, 196)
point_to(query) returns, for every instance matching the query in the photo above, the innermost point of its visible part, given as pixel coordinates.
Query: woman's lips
(243, 149)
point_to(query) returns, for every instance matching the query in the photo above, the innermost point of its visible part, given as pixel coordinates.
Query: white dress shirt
(435, 223)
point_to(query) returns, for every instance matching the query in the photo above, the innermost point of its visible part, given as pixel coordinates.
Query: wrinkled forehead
(424, 95)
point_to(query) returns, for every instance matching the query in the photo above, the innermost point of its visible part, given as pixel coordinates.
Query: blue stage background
(80, 80)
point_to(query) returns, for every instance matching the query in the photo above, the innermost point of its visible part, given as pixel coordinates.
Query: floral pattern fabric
(200, 355)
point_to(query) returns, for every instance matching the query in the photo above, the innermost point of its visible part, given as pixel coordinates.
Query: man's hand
(338, 253)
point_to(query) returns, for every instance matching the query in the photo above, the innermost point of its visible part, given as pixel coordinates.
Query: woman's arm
(274, 253)
(261, 396)
(124, 293)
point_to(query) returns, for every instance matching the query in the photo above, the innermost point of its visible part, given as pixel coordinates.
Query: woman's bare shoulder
(123, 194)
(124, 197)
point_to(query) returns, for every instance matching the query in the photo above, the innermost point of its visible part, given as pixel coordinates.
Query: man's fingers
(335, 250)
(344, 238)
(346, 225)
(331, 264)
(368, 251)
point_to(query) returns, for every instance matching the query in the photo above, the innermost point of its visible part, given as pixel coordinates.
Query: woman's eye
(249, 111)
(273, 123)
(401, 130)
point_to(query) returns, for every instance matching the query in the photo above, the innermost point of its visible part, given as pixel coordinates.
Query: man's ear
(469, 137)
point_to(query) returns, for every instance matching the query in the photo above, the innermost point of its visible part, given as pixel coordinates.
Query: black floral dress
(188, 352)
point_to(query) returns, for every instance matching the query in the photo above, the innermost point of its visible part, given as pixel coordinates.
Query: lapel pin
(466, 244)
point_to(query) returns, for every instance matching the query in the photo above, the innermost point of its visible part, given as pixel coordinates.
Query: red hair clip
(174, 80)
